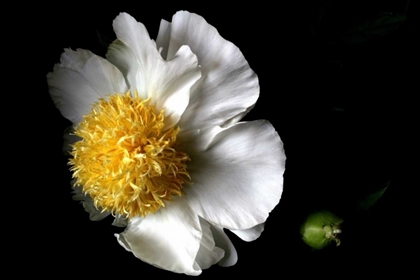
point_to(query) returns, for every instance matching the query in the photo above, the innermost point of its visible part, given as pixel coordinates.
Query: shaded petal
(164, 35)
(124, 59)
(134, 50)
(223, 241)
(249, 234)
(79, 80)
(228, 85)
(168, 83)
(120, 221)
(238, 177)
(87, 202)
(171, 85)
(208, 254)
(237, 118)
(69, 139)
(168, 239)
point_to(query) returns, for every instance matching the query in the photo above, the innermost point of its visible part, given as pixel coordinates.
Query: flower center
(125, 160)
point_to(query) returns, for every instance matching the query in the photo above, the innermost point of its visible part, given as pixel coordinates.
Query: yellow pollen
(125, 160)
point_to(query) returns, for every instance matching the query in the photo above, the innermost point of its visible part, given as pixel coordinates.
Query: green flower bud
(321, 229)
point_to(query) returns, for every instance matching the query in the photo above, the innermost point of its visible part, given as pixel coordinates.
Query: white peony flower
(158, 142)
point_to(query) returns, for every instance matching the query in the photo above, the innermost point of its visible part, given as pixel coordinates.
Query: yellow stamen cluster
(125, 160)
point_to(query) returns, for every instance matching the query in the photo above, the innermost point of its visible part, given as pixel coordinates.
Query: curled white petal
(237, 175)
(249, 234)
(208, 254)
(223, 241)
(169, 239)
(228, 86)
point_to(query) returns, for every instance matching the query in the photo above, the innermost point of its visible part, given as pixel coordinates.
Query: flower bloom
(157, 142)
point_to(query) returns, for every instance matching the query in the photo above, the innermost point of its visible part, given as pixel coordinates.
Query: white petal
(238, 178)
(171, 85)
(136, 51)
(222, 240)
(208, 254)
(87, 202)
(228, 85)
(168, 239)
(167, 83)
(123, 57)
(249, 234)
(162, 40)
(79, 80)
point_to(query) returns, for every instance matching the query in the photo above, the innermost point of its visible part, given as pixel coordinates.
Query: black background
(342, 111)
